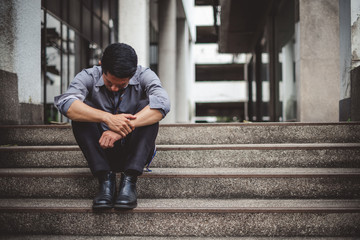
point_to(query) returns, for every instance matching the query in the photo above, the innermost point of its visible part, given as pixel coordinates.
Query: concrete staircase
(233, 181)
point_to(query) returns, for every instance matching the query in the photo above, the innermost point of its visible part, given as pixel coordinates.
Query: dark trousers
(130, 153)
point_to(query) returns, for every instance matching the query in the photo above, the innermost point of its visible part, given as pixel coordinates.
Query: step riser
(182, 224)
(239, 134)
(201, 134)
(33, 159)
(177, 187)
(345, 158)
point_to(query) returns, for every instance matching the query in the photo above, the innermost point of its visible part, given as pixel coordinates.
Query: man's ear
(100, 62)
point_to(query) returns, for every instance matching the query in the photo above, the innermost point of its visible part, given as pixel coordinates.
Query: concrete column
(167, 52)
(20, 44)
(182, 72)
(134, 22)
(319, 70)
(191, 77)
(288, 84)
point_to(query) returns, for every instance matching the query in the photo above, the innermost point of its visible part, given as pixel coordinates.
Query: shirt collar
(100, 82)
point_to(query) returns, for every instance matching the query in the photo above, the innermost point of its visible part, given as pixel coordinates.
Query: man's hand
(108, 138)
(121, 124)
(118, 123)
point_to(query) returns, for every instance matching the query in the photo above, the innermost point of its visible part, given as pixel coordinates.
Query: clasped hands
(120, 126)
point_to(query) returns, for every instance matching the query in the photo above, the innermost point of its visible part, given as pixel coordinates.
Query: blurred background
(220, 61)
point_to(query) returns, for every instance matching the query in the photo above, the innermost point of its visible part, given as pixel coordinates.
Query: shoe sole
(122, 206)
(102, 206)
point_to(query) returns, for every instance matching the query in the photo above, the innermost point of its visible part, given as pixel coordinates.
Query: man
(115, 109)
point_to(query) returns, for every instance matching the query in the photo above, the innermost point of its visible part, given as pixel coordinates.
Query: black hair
(120, 60)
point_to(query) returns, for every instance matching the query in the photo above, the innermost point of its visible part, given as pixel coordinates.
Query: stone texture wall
(7, 35)
(20, 62)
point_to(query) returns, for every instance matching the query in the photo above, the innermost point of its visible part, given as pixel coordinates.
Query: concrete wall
(318, 64)
(20, 44)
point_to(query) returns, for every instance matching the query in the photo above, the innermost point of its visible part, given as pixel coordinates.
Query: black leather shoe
(127, 197)
(107, 189)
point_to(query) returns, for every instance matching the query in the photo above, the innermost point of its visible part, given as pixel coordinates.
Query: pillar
(182, 69)
(191, 78)
(288, 84)
(318, 64)
(167, 52)
(134, 21)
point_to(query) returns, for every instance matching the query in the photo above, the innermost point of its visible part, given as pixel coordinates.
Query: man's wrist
(105, 118)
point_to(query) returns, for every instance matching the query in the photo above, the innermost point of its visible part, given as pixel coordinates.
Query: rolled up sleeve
(158, 97)
(78, 90)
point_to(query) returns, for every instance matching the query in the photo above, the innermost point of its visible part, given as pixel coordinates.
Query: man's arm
(147, 116)
(120, 123)
(158, 97)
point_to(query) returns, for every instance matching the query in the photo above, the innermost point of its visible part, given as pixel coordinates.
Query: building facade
(301, 53)
(301, 56)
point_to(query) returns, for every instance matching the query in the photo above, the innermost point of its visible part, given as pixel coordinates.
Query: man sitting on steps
(115, 109)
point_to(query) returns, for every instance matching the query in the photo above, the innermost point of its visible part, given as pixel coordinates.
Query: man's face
(114, 84)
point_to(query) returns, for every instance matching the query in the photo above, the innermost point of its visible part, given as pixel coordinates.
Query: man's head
(120, 60)
(119, 64)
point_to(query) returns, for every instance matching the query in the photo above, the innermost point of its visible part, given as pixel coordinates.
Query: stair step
(201, 133)
(67, 237)
(188, 205)
(190, 183)
(343, 155)
(267, 180)
(184, 217)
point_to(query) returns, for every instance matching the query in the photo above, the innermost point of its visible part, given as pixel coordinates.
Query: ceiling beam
(242, 22)
(206, 34)
(205, 2)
